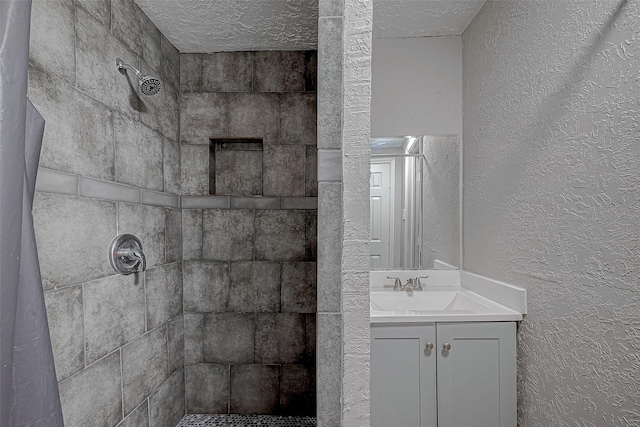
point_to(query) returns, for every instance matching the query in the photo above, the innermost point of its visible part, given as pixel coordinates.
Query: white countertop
(437, 305)
(445, 298)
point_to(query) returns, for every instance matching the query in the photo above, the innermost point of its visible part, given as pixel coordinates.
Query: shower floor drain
(226, 420)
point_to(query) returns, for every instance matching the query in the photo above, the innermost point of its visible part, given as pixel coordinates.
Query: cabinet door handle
(446, 346)
(429, 346)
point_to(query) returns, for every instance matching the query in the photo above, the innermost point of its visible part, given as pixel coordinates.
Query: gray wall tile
(169, 62)
(228, 235)
(255, 203)
(329, 371)
(310, 338)
(96, 51)
(53, 181)
(137, 31)
(52, 37)
(95, 188)
(227, 72)
(299, 287)
(280, 337)
(166, 405)
(206, 286)
(207, 388)
(284, 170)
(202, 116)
(191, 234)
(157, 198)
(171, 166)
(238, 172)
(113, 313)
(254, 115)
(193, 337)
(174, 235)
(145, 366)
(278, 71)
(194, 169)
(148, 224)
(311, 70)
(311, 172)
(205, 202)
(246, 398)
(297, 390)
(311, 234)
(330, 7)
(175, 342)
(228, 338)
(99, 9)
(298, 203)
(66, 326)
(139, 159)
(330, 82)
(298, 118)
(93, 225)
(329, 165)
(160, 111)
(163, 294)
(255, 287)
(190, 72)
(85, 404)
(139, 417)
(330, 246)
(78, 137)
(280, 236)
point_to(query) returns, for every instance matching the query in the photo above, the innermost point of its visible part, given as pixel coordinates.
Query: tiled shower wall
(109, 164)
(249, 262)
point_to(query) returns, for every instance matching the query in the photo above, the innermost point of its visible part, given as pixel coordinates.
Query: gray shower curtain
(28, 387)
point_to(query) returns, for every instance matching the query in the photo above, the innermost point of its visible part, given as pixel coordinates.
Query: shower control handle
(126, 255)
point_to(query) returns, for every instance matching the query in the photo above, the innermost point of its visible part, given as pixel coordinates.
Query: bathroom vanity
(445, 355)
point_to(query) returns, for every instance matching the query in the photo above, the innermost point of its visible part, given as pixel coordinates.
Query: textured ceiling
(201, 26)
(422, 18)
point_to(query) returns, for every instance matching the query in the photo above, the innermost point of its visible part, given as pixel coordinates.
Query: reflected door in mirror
(381, 200)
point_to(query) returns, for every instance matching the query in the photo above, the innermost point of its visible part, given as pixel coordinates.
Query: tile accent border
(53, 181)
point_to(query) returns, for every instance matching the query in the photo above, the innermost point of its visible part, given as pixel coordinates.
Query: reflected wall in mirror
(414, 197)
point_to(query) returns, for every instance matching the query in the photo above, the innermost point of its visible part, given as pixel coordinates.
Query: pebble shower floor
(225, 420)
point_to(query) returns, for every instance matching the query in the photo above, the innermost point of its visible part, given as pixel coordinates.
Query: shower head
(149, 85)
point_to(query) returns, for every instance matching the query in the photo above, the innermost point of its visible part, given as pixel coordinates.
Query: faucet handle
(397, 285)
(418, 285)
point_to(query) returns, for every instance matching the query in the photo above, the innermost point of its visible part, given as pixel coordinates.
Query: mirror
(415, 198)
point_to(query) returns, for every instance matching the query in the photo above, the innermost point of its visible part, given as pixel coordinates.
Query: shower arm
(122, 66)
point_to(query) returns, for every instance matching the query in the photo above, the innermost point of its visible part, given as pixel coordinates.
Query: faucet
(418, 285)
(397, 285)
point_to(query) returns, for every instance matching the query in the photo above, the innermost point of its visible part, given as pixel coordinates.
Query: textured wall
(416, 86)
(117, 340)
(234, 25)
(441, 204)
(355, 256)
(551, 185)
(411, 18)
(250, 271)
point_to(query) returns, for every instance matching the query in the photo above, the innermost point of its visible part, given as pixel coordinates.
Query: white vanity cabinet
(468, 378)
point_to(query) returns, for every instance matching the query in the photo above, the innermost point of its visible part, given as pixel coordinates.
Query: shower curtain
(29, 391)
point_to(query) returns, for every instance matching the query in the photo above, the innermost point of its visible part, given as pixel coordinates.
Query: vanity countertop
(447, 296)
(437, 305)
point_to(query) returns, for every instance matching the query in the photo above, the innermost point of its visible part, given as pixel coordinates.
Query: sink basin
(436, 305)
(417, 300)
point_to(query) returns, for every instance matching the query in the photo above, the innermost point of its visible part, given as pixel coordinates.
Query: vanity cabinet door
(403, 376)
(476, 374)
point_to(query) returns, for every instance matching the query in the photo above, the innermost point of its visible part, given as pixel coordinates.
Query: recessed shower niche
(235, 166)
